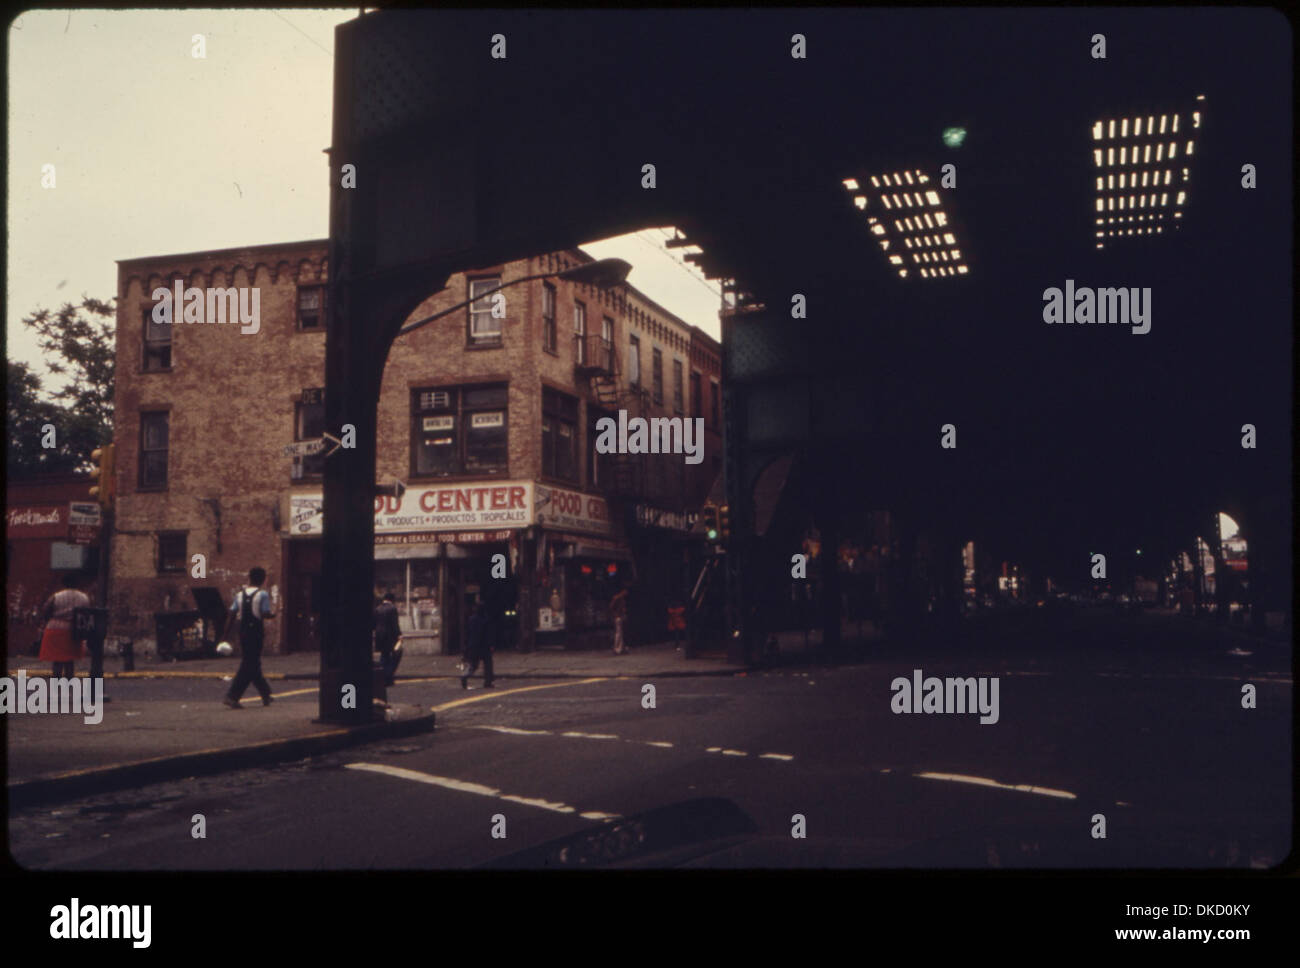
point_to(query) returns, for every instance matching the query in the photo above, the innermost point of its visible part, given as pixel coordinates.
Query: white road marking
(577, 734)
(463, 786)
(985, 781)
(543, 804)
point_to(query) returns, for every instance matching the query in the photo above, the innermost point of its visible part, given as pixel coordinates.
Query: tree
(26, 415)
(79, 343)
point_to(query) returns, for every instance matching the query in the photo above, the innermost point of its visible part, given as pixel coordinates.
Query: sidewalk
(144, 740)
(657, 659)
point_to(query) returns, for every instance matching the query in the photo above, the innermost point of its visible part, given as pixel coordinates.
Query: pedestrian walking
(618, 610)
(253, 606)
(388, 633)
(57, 644)
(478, 646)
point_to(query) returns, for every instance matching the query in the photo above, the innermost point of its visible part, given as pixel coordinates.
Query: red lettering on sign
(478, 497)
(596, 509)
(426, 500)
(462, 499)
(498, 498)
(444, 500)
(516, 497)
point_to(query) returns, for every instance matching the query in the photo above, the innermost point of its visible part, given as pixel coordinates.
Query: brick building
(487, 416)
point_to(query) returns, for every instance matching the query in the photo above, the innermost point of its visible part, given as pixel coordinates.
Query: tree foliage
(79, 345)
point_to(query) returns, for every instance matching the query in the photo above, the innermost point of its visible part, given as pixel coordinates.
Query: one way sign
(310, 448)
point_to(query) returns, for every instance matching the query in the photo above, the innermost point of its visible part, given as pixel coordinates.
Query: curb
(315, 676)
(42, 790)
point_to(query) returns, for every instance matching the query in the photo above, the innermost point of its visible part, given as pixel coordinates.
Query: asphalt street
(1130, 718)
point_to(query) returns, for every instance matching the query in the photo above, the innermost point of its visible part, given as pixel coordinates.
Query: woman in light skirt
(57, 643)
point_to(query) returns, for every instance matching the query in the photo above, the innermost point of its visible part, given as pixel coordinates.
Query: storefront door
(302, 599)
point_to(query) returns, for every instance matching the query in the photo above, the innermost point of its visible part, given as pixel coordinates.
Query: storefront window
(414, 585)
(551, 597)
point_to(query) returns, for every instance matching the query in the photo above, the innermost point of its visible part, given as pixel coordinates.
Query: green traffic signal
(953, 137)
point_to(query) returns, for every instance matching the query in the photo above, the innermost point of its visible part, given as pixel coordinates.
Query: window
(679, 405)
(157, 342)
(484, 327)
(697, 399)
(171, 552)
(580, 333)
(607, 344)
(657, 373)
(599, 466)
(309, 424)
(153, 449)
(634, 361)
(311, 308)
(715, 403)
(559, 434)
(548, 318)
(462, 430)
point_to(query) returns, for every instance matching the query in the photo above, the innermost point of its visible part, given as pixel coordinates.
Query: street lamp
(603, 274)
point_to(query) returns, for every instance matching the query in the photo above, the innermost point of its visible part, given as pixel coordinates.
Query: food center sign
(492, 506)
(572, 511)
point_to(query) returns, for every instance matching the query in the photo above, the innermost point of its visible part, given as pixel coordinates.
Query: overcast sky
(157, 151)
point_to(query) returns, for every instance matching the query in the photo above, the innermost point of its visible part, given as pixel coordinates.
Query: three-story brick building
(487, 417)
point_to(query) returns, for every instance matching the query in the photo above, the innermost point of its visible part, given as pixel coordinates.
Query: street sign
(304, 448)
(310, 448)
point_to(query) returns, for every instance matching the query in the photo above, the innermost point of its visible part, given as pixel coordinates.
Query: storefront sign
(38, 521)
(443, 537)
(648, 517)
(572, 511)
(463, 508)
(83, 522)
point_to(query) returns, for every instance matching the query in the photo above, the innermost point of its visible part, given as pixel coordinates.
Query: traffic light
(724, 521)
(105, 489)
(711, 521)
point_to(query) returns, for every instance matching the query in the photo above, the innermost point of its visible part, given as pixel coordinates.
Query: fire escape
(596, 362)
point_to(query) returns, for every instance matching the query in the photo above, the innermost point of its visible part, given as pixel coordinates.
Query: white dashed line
(985, 781)
(577, 734)
(461, 786)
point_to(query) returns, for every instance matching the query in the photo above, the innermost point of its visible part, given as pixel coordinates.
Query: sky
(158, 151)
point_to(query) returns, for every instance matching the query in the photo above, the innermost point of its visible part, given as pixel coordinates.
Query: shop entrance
(303, 595)
(470, 581)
